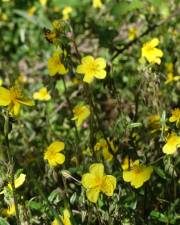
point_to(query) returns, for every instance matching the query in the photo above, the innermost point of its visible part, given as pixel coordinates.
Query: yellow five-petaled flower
(175, 117)
(17, 182)
(102, 144)
(53, 155)
(172, 144)
(97, 181)
(91, 68)
(81, 112)
(136, 173)
(65, 218)
(97, 3)
(13, 98)
(42, 94)
(55, 66)
(150, 52)
(66, 12)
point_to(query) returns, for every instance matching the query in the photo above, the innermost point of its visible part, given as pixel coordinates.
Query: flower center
(93, 68)
(137, 169)
(99, 182)
(14, 94)
(79, 111)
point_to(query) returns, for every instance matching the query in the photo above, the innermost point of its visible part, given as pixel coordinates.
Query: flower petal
(92, 194)
(25, 102)
(59, 158)
(154, 42)
(81, 69)
(89, 180)
(52, 67)
(101, 74)
(108, 185)
(147, 171)
(137, 182)
(101, 63)
(61, 69)
(88, 78)
(128, 176)
(5, 98)
(87, 59)
(56, 146)
(97, 169)
(15, 109)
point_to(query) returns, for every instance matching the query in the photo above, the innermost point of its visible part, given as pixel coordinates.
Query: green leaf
(3, 221)
(62, 3)
(123, 8)
(35, 205)
(160, 172)
(162, 6)
(160, 216)
(33, 19)
(133, 125)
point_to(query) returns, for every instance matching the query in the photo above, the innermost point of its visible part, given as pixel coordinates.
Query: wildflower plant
(99, 143)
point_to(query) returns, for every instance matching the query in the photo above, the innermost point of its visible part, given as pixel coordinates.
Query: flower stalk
(11, 162)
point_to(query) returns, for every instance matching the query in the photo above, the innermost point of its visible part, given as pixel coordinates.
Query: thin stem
(94, 109)
(157, 160)
(11, 162)
(26, 216)
(80, 156)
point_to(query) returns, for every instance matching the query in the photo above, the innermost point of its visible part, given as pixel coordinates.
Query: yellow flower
(175, 117)
(10, 211)
(102, 144)
(170, 78)
(132, 33)
(81, 112)
(91, 68)
(13, 99)
(169, 67)
(154, 123)
(17, 182)
(55, 65)
(137, 174)
(97, 4)
(127, 163)
(65, 219)
(1, 82)
(21, 79)
(53, 155)
(150, 52)
(43, 2)
(66, 12)
(42, 94)
(31, 11)
(172, 143)
(96, 181)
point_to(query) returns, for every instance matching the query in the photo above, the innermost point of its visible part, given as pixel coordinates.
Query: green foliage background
(124, 100)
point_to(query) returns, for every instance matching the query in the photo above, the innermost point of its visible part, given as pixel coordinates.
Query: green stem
(11, 161)
(51, 208)
(94, 111)
(77, 139)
